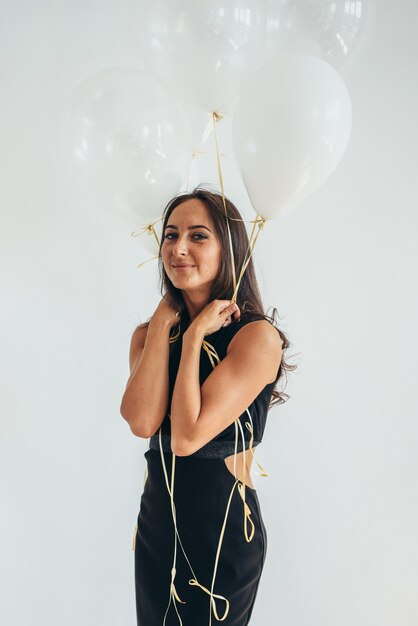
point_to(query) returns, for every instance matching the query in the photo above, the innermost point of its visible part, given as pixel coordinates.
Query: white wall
(340, 505)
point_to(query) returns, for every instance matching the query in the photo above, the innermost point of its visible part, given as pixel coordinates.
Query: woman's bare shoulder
(256, 330)
(262, 336)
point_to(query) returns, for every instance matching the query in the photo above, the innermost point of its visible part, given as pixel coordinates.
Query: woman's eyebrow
(189, 227)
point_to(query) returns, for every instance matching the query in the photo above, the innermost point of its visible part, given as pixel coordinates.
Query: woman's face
(191, 249)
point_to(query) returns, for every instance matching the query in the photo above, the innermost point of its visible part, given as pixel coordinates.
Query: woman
(203, 372)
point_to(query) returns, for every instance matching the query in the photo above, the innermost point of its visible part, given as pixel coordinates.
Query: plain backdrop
(340, 503)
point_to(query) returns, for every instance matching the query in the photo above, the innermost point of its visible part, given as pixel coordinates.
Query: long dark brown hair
(248, 295)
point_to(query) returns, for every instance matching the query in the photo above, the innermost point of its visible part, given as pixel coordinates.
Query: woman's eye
(199, 235)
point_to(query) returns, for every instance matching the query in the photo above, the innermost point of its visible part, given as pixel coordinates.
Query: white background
(340, 505)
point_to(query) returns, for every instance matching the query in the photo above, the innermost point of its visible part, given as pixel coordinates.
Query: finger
(232, 313)
(228, 321)
(222, 305)
(234, 310)
(231, 309)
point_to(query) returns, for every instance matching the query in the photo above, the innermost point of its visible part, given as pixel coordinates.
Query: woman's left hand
(216, 314)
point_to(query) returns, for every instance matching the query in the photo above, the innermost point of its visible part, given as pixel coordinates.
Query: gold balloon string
(174, 337)
(247, 510)
(193, 581)
(251, 245)
(241, 487)
(216, 117)
(251, 449)
(249, 425)
(212, 595)
(143, 262)
(211, 352)
(148, 228)
(258, 221)
(218, 552)
(173, 592)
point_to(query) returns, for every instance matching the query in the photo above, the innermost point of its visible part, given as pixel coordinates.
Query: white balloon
(202, 125)
(334, 30)
(204, 169)
(202, 49)
(290, 130)
(206, 165)
(129, 138)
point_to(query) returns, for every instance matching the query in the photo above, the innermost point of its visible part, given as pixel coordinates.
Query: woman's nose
(180, 246)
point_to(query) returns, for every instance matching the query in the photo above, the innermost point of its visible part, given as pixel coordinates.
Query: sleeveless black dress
(200, 542)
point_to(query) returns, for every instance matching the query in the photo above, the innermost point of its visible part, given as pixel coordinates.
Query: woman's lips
(183, 267)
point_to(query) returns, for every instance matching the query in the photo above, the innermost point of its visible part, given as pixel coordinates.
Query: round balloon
(202, 50)
(290, 129)
(130, 138)
(334, 30)
(201, 123)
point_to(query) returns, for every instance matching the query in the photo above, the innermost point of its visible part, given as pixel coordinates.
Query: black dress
(199, 555)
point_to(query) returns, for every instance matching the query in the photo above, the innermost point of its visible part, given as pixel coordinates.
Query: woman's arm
(200, 413)
(144, 402)
(186, 401)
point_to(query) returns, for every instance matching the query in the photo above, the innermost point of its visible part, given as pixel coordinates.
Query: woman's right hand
(166, 313)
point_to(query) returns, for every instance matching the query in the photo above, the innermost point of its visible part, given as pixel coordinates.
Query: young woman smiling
(203, 376)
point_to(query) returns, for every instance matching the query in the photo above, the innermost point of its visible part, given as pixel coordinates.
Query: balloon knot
(217, 116)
